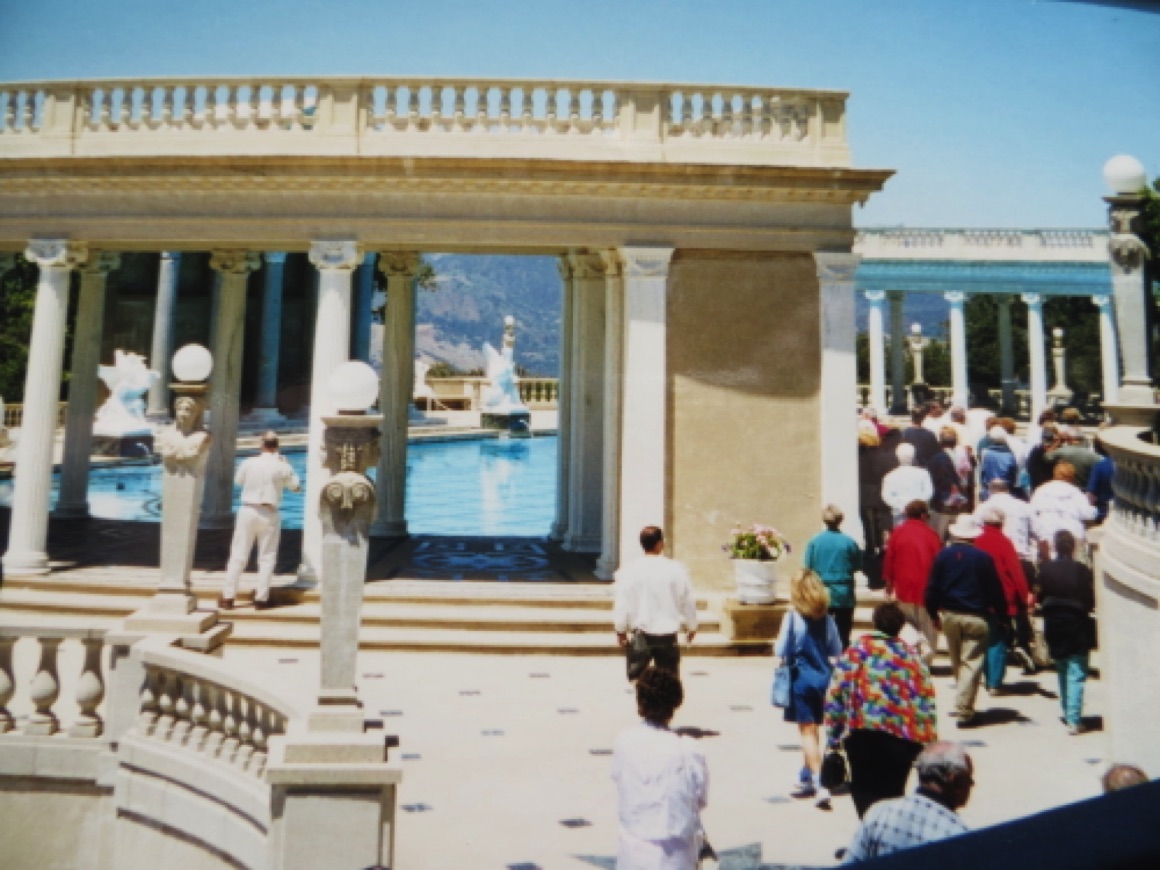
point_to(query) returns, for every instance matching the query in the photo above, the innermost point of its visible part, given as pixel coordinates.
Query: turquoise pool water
(477, 487)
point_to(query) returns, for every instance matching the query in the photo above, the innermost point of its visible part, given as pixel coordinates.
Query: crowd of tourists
(973, 533)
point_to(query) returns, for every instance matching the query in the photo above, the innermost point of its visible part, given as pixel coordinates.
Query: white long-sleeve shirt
(662, 785)
(654, 594)
(1059, 505)
(263, 477)
(906, 484)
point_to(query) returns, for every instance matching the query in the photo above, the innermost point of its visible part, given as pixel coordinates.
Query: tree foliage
(17, 300)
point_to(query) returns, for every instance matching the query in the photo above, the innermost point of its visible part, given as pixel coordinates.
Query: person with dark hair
(882, 701)
(910, 553)
(1120, 776)
(997, 462)
(653, 598)
(262, 479)
(948, 501)
(1039, 457)
(945, 778)
(662, 782)
(924, 442)
(1067, 596)
(1099, 486)
(875, 461)
(834, 556)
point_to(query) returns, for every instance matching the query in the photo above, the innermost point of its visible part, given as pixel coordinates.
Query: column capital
(274, 258)
(399, 264)
(836, 268)
(1103, 303)
(564, 267)
(955, 297)
(586, 265)
(613, 264)
(341, 255)
(56, 253)
(1033, 300)
(234, 261)
(171, 255)
(101, 263)
(646, 262)
(874, 297)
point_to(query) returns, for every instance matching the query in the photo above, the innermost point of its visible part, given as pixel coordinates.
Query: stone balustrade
(14, 415)
(438, 117)
(44, 689)
(540, 392)
(194, 704)
(1083, 245)
(1093, 405)
(1136, 509)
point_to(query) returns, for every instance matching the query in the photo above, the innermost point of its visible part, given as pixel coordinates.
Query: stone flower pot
(756, 581)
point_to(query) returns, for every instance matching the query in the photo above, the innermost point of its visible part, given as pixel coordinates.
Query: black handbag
(834, 771)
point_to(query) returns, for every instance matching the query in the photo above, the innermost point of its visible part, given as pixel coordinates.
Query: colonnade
(960, 388)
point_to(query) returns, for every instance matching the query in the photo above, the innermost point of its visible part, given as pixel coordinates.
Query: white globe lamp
(916, 329)
(353, 387)
(1125, 175)
(192, 364)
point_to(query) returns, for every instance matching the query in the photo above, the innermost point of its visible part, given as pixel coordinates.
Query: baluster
(7, 683)
(436, 106)
(597, 111)
(229, 744)
(706, 113)
(184, 118)
(236, 107)
(9, 99)
(505, 108)
(198, 114)
(45, 690)
(281, 109)
(181, 710)
(212, 741)
(551, 98)
(482, 108)
(686, 115)
(170, 685)
(726, 114)
(528, 122)
(390, 106)
(257, 762)
(168, 103)
(399, 112)
(746, 115)
(245, 733)
(460, 106)
(147, 717)
(574, 110)
(90, 691)
(132, 107)
(299, 98)
(412, 107)
(254, 107)
(93, 113)
(26, 104)
(212, 104)
(198, 716)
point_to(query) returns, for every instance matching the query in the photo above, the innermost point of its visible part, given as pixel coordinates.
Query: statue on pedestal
(502, 406)
(120, 428)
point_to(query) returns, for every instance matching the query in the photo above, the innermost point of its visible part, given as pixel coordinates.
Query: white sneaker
(822, 799)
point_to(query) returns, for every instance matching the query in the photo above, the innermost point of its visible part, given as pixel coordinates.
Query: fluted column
(270, 340)
(1109, 350)
(837, 447)
(587, 389)
(28, 532)
(959, 388)
(233, 268)
(1006, 357)
(82, 386)
(335, 262)
(364, 291)
(396, 390)
(644, 390)
(564, 404)
(1035, 353)
(164, 320)
(874, 328)
(898, 404)
(609, 559)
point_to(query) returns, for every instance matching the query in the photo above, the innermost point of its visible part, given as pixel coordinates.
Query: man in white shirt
(653, 598)
(907, 483)
(262, 479)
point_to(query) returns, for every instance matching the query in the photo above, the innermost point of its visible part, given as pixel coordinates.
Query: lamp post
(347, 505)
(1126, 178)
(917, 346)
(184, 449)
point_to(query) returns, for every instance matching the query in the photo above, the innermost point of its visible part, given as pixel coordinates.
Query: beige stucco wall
(54, 824)
(744, 358)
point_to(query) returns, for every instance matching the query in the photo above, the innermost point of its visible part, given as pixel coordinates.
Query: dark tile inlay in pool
(492, 732)
(575, 823)
(599, 751)
(416, 808)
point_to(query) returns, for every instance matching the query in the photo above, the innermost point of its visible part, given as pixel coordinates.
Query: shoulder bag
(786, 671)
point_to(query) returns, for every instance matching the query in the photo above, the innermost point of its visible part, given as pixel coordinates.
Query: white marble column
(1006, 357)
(1036, 353)
(609, 559)
(960, 390)
(360, 329)
(270, 341)
(1109, 350)
(82, 386)
(837, 445)
(587, 388)
(164, 320)
(898, 403)
(396, 389)
(564, 404)
(335, 261)
(28, 532)
(874, 328)
(644, 442)
(1128, 258)
(233, 268)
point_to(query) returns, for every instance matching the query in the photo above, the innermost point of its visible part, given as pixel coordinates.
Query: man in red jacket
(910, 552)
(1000, 548)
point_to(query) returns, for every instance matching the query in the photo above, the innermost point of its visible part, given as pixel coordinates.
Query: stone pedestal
(515, 422)
(741, 622)
(1134, 304)
(131, 445)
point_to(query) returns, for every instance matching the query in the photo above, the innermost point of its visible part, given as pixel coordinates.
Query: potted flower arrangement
(755, 552)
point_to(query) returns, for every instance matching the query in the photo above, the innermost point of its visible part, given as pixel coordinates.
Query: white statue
(502, 395)
(123, 413)
(422, 389)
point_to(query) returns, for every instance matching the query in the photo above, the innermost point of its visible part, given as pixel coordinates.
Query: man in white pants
(262, 479)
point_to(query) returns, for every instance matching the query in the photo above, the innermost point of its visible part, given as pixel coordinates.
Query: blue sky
(994, 112)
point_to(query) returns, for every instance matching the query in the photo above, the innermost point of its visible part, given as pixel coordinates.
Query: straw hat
(965, 528)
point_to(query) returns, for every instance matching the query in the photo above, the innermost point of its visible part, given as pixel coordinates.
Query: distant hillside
(474, 295)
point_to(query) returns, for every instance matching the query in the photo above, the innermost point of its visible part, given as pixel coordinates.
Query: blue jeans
(1072, 672)
(996, 667)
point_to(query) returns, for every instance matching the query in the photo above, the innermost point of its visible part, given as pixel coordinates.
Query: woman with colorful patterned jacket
(882, 701)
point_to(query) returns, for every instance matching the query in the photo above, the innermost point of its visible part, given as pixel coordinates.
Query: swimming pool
(492, 486)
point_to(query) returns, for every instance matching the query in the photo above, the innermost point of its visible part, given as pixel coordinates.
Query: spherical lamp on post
(353, 387)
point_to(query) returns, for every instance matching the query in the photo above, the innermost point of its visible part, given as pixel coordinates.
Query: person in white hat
(963, 597)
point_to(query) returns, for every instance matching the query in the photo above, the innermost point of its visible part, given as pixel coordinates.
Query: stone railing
(1086, 245)
(43, 718)
(437, 117)
(1092, 406)
(14, 415)
(540, 392)
(1137, 482)
(465, 393)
